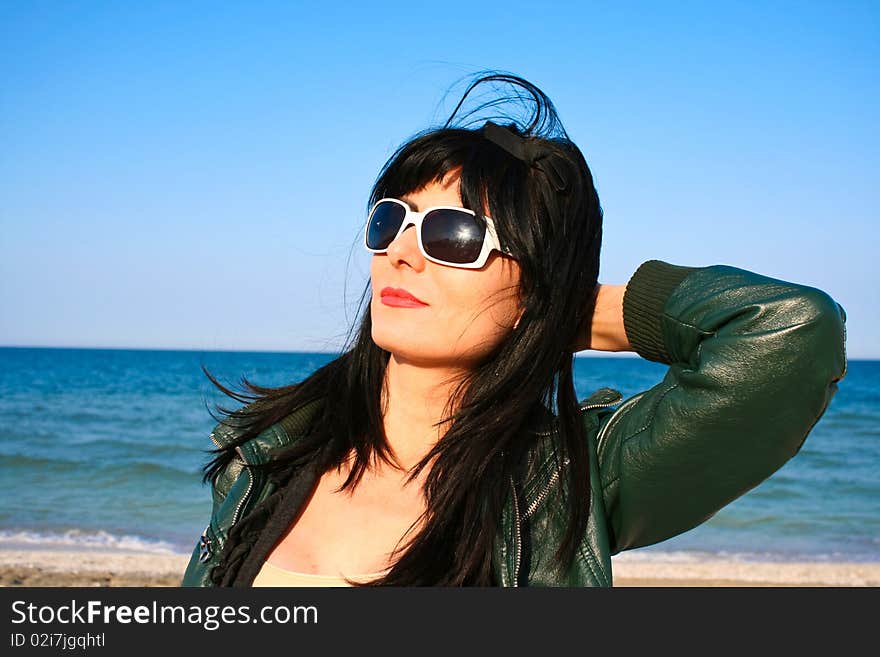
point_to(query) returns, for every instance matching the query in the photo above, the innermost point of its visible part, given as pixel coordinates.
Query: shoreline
(93, 568)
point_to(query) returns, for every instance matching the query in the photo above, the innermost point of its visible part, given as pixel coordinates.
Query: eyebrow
(409, 203)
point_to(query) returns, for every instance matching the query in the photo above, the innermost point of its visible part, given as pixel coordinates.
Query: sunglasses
(446, 235)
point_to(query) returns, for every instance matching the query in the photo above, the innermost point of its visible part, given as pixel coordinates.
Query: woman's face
(465, 312)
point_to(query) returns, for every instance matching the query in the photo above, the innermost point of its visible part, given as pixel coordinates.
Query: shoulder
(261, 447)
(601, 399)
(543, 422)
(290, 426)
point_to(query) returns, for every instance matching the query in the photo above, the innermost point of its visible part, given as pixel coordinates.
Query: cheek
(488, 305)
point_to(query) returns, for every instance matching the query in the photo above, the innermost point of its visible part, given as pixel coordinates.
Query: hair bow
(532, 152)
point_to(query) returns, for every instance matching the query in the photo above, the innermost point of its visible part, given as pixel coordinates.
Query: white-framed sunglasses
(447, 235)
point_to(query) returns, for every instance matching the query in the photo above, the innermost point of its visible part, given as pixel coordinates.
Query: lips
(395, 296)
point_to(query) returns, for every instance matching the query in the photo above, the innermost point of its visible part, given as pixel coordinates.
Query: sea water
(103, 448)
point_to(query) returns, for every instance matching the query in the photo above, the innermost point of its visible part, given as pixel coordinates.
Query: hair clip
(532, 152)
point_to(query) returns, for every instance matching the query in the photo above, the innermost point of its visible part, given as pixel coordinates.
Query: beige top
(271, 575)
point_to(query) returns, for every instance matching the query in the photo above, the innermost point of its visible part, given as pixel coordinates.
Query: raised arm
(603, 330)
(754, 363)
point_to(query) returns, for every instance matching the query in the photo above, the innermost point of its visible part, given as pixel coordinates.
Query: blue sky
(194, 175)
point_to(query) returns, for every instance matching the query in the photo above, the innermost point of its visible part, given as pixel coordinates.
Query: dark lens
(384, 224)
(452, 236)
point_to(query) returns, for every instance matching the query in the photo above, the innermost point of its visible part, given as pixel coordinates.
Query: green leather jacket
(753, 364)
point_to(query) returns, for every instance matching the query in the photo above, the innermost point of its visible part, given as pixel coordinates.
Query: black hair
(554, 234)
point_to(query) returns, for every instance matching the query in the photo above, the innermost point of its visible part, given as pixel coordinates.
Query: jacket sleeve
(753, 364)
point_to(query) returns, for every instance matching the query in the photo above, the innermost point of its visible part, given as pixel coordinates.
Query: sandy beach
(96, 568)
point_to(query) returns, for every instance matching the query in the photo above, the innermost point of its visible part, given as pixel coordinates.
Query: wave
(81, 539)
(25, 462)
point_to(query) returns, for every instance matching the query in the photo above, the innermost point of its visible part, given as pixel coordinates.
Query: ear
(519, 317)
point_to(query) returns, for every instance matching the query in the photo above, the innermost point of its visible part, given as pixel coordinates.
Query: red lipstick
(400, 298)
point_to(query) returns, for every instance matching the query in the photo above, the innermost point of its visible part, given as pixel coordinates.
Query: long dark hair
(551, 222)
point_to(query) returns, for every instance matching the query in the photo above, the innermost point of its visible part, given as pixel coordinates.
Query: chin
(400, 343)
(405, 349)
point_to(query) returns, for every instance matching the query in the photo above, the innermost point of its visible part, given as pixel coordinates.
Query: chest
(351, 531)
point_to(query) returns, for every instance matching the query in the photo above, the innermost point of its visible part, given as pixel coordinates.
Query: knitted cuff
(645, 297)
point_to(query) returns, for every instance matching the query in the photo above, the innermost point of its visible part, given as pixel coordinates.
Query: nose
(404, 250)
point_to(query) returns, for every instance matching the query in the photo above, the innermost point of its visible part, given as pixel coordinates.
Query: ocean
(102, 449)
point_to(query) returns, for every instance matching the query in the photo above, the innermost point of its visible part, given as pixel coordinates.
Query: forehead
(445, 192)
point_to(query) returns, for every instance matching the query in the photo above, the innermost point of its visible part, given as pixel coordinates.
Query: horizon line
(250, 351)
(588, 353)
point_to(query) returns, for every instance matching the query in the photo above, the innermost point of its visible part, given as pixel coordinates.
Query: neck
(415, 401)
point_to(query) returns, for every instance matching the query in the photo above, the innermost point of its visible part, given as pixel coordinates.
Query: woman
(446, 445)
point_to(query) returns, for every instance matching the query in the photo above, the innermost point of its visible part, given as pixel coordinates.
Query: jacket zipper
(205, 545)
(540, 498)
(546, 490)
(246, 493)
(518, 541)
(608, 423)
(601, 404)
